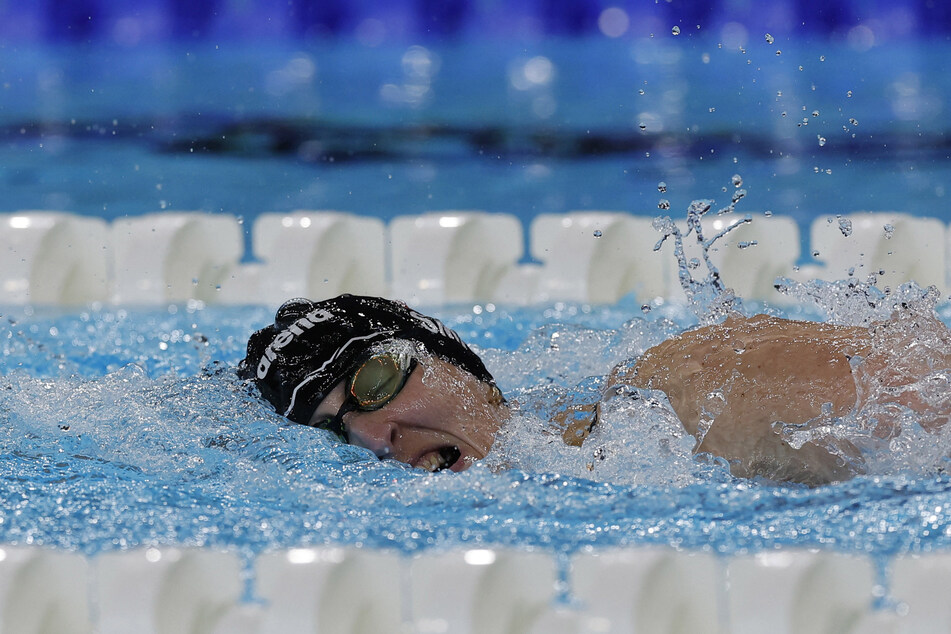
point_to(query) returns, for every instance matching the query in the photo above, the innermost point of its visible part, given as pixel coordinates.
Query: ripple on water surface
(119, 429)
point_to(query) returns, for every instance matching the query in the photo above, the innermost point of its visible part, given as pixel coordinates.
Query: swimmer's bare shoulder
(736, 379)
(740, 377)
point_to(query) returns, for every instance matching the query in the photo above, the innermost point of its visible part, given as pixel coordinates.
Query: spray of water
(902, 382)
(638, 438)
(709, 297)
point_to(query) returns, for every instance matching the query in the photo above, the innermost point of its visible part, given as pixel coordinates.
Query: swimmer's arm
(743, 376)
(576, 422)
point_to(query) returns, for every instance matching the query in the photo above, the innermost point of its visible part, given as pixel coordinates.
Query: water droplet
(768, 213)
(845, 226)
(815, 254)
(853, 121)
(889, 231)
(694, 263)
(779, 93)
(822, 140)
(640, 91)
(746, 244)
(770, 39)
(712, 110)
(737, 180)
(848, 94)
(642, 126)
(597, 233)
(800, 69)
(645, 308)
(675, 30)
(663, 204)
(815, 113)
(822, 58)
(662, 187)
(778, 53)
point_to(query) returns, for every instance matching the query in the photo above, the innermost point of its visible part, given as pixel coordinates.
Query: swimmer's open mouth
(439, 459)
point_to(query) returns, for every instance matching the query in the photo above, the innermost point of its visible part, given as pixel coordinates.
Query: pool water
(521, 127)
(125, 427)
(128, 428)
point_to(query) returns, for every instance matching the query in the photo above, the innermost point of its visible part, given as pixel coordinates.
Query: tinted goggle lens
(378, 381)
(372, 385)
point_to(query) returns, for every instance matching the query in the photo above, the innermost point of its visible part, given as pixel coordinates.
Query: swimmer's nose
(369, 432)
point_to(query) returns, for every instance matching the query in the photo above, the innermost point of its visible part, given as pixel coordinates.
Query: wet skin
(733, 386)
(440, 408)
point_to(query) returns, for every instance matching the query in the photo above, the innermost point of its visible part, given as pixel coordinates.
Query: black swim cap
(312, 346)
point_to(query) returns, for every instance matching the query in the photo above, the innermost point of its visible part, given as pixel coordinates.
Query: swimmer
(379, 375)
(387, 378)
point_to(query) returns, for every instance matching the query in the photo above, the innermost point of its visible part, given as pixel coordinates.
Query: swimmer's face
(442, 418)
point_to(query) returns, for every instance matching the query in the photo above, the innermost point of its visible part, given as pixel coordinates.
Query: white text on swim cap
(435, 326)
(286, 336)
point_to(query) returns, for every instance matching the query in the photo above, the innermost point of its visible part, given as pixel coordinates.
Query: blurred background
(112, 108)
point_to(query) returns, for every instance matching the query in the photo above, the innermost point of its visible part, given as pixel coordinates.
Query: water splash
(708, 297)
(638, 441)
(845, 226)
(854, 302)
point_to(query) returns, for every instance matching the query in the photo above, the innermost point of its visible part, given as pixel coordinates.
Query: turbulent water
(125, 428)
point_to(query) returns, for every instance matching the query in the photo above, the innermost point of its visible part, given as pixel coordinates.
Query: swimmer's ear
(495, 396)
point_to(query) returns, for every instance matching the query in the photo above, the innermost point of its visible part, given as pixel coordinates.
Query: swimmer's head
(380, 375)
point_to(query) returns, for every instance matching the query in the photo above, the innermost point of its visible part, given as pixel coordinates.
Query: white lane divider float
(314, 254)
(164, 591)
(52, 258)
(173, 256)
(894, 246)
(452, 256)
(598, 257)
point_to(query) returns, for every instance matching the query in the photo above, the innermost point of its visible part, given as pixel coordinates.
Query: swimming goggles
(373, 383)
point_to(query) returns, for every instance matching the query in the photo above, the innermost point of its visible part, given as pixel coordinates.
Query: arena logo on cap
(286, 336)
(435, 326)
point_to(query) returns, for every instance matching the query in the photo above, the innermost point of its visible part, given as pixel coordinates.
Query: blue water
(522, 127)
(122, 429)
